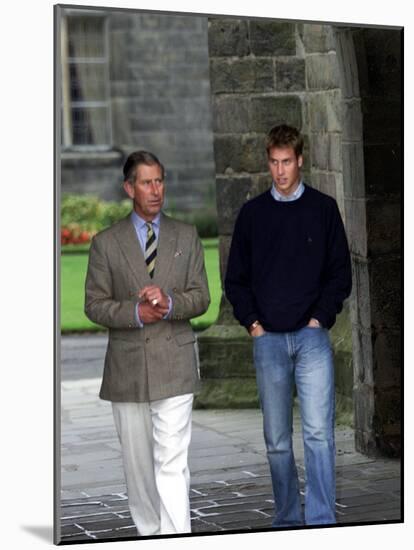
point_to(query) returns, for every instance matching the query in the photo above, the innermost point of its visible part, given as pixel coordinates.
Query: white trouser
(154, 439)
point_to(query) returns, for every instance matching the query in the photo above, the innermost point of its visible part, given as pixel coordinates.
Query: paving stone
(231, 517)
(111, 523)
(372, 516)
(195, 504)
(254, 524)
(84, 520)
(106, 489)
(236, 459)
(200, 525)
(254, 501)
(352, 492)
(229, 508)
(366, 500)
(230, 476)
(81, 510)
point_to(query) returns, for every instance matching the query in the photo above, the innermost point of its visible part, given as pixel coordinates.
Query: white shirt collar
(292, 197)
(140, 222)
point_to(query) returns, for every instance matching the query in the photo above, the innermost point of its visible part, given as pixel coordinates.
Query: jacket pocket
(184, 338)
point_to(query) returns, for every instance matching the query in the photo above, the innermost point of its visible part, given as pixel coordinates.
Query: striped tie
(150, 250)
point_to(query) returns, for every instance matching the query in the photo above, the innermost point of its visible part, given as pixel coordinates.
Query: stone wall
(342, 88)
(324, 109)
(371, 82)
(263, 73)
(160, 101)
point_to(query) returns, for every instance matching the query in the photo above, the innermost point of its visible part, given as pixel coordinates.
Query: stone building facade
(158, 95)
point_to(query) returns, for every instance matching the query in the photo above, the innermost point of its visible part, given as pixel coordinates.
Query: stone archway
(336, 85)
(370, 76)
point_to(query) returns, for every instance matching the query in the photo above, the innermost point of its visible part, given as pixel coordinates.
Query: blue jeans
(303, 357)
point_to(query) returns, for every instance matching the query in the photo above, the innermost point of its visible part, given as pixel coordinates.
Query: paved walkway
(230, 483)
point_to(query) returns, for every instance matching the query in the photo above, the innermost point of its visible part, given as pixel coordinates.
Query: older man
(288, 274)
(146, 279)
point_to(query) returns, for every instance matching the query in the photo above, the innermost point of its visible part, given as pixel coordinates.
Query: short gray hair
(136, 159)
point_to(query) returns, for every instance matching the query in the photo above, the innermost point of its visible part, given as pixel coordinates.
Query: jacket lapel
(129, 244)
(165, 251)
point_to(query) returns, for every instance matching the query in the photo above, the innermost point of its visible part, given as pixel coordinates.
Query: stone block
(363, 367)
(307, 176)
(326, 183)
(353, 170)
(365, 442)
(225, 352)
(141, 123)
(340, 199)
(388, 359)
(266, 112)
(253, 155)
(319, 144)
(290, 75)
(325, 112)
(322, 72)
(352, 120)
(224, 249)
(306, 167)
(385, 293)
(272, 38)
(118, 62)
(231, 115)
(360, 304)
(383, 226)
(335, 152)
(348, 73)
(167, 22)
(119, 89)
(101, 176)
(383, 169)
(241, 76)
(121, 120)
(199, 54)
(193, 113)
(364, 402)
(177, 40)
(356, 225)
(122, 21)
(261, 184)
(227, 37)
(178, 88)
(227, 152)
(231, 194)
(225, 316)
(317, 38)
(341, 339)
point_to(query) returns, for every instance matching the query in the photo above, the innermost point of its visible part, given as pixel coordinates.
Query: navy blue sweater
(288, 262)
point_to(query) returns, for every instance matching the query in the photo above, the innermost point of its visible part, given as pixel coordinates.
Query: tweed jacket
(158, 360)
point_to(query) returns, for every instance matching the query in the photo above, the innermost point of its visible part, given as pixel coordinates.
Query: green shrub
(88, 213)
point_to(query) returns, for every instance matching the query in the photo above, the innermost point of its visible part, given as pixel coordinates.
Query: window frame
(66, 103)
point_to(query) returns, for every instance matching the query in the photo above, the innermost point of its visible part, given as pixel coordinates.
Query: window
(86, 113)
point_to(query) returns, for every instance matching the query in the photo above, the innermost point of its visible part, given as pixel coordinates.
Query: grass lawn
(73, 273)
